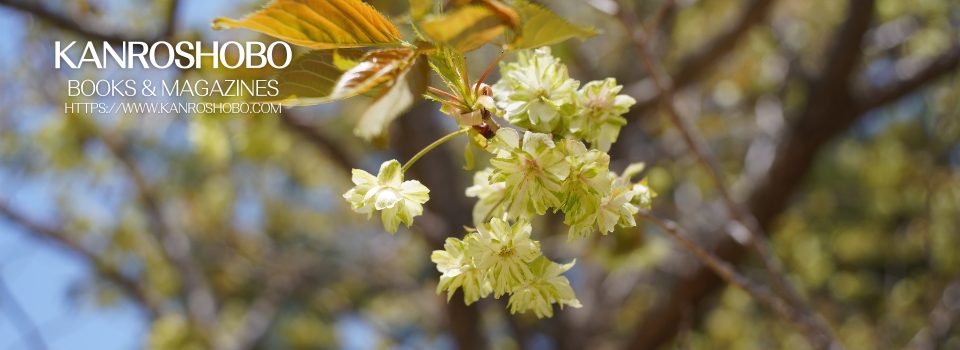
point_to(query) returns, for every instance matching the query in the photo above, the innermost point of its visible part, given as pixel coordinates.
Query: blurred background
(837, 123)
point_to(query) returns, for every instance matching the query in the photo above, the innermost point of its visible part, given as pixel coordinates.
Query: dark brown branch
(130, 287)
(71, 25)
(722, 268)
(817, 332)
(263, 310)
(944, 64)
(170, 26)
(322, 142)
(829, 111)
(694, 66)
(737, 211)
(658, 17)
(847, 47)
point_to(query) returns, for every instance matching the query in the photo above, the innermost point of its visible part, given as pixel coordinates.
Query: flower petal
(390, 173)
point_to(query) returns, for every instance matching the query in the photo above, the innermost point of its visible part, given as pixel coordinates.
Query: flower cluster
(558, 163)
(548, 166)
(500, 258)
(537, 93)
(532, 170)
(532, 174)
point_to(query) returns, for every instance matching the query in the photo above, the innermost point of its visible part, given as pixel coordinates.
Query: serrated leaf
(393, 101)
(541, 27)
(319, 24)
(310, 78)
(451, 66)
(464, 29)
(327, 75)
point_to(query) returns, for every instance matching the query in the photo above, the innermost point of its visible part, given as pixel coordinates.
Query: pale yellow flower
(503, 250)
(397, 200)
(546, 288)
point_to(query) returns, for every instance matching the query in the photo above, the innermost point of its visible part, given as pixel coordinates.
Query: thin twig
(729, 275)
(703, 155)
(71, 25)
(331, 148)
(660, 15)
(942, 319)
(696, 64)
(948, 61)
(263, 310)
(31, 333)
(131, 287)
(720, 267)
(697, 146)
(175, 245)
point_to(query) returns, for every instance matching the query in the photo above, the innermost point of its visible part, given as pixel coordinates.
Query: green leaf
(328, 75)
(465, 29)
(393, 101)
(541, 27)
(451, 66)
(319, 24)
(310, 78)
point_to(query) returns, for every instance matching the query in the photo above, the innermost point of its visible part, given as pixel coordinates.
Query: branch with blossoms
(558, 162)
(547, 135)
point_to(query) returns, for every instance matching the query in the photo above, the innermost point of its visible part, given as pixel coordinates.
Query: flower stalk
(430, 147)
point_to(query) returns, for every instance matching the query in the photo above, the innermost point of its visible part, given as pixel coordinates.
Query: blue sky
(41, 276)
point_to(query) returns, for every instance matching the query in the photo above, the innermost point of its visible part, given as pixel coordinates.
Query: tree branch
(69, 24)
(131, 287)
(175, 245)
(331, 148)
(820, 334)
(942, 319)
(829, 110)
(814, 128)
(722, 268)
(660, 15)
(693, 66)
(944, 64)
(263, 310)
